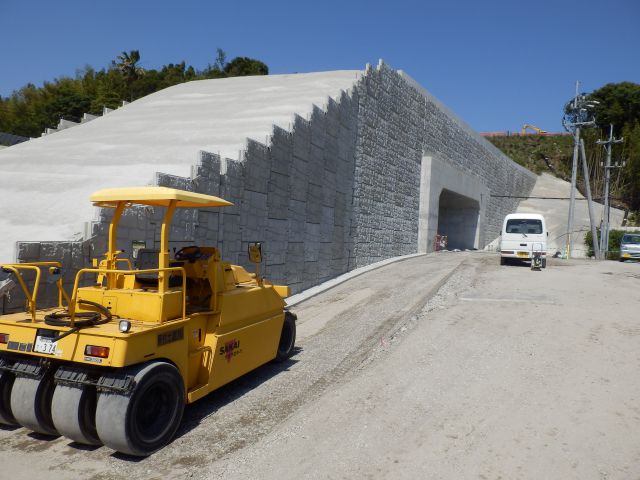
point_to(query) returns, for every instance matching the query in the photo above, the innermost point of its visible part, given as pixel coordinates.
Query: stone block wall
(340, 190)
(399, 123)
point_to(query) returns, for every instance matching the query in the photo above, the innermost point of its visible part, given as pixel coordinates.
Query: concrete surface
(51, 178)
(452, 203)
(440, 366)
(337, 189)
(556, 213)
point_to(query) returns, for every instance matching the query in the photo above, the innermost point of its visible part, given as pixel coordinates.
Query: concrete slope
(49, 179)
(556, 214)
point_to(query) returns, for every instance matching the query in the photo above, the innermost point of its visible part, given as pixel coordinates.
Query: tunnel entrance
(458, 219)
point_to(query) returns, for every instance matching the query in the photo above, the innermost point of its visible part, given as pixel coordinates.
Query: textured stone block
(28, 251)
(314, 203)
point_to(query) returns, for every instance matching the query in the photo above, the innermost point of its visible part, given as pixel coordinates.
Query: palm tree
(127, 64)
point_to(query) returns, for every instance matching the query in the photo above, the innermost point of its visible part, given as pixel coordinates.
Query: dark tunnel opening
(458, 218)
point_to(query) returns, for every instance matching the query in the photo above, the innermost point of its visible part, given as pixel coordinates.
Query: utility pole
(604, 234)
(574, 174)
(576, 116)
(592, 219)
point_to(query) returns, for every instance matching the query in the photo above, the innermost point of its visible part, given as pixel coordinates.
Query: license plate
(523, 254)
(45, 345)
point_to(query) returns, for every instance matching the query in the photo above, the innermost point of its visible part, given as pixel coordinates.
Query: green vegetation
(619, 105)
(539, 153)
(31, 109)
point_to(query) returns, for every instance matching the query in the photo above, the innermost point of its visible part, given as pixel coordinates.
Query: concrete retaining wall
(341, 190)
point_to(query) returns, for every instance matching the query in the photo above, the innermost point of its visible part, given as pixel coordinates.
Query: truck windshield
(522, 225)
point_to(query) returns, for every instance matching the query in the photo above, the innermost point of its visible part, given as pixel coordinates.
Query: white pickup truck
(523, 234)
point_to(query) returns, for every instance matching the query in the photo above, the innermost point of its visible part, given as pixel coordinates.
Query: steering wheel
(189, 254)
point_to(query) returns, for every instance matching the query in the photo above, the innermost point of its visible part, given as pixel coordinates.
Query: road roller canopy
(170, 198)
(155, 197)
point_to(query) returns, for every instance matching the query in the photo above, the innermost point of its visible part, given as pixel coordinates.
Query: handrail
(34, 264)
(82, 271)
(31, 296)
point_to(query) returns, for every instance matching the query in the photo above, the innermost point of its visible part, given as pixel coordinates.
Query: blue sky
(497, 64)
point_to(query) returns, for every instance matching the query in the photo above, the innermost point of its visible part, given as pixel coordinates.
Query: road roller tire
(73, 411)
(31, 403)
(146, 419)
(6, 384)
(287, 338)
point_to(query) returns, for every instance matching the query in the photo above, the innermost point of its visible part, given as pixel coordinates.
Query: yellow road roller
(123, 352)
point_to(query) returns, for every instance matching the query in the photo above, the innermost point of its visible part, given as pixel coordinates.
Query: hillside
(539, 153)
(162, 132)
(553, 155)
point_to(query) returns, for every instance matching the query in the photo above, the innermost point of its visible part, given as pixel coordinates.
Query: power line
(551, 198)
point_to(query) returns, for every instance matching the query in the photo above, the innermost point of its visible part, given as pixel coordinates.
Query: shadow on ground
(203, 408)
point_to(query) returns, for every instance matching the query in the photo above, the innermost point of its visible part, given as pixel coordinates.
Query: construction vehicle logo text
(230, 349)
(170, 336)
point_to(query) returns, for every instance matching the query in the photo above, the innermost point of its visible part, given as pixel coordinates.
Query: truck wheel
(544, 263)
(145, 420)
(503, 261)
(31, 403)
(287, 337)
(6, 382)
(73, 410)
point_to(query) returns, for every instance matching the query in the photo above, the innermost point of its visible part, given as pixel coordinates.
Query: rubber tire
(544, 263)
(31, 403)
(73, 410)
(503, 261)
(287, 338)
(6, 383)
(118, 416)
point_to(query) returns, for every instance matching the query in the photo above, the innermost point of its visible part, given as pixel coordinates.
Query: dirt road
(504, 373)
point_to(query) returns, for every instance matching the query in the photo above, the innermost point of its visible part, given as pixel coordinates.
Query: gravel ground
(442, 366)
(337, 332)
(506, 373)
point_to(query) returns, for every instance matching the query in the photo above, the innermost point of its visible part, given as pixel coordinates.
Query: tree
(128, 67)
(217, 69)
(67, 103)
(619, 105)
(631, 154)
(31, 109)
(242, 66)
(221, 59)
